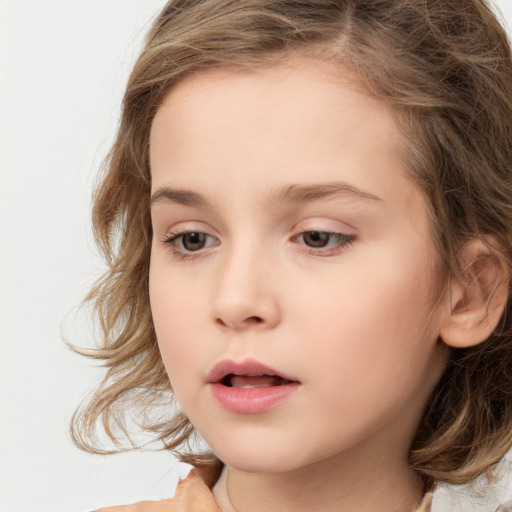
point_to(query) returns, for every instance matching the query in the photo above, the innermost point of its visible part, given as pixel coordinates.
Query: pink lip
(247, 367)
(248, 400)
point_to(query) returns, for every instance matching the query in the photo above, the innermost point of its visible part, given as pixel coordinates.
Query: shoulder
(426, 504)
(192, 494)
(143, 506)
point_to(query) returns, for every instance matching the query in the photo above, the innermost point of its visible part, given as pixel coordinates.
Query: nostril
(251, 320)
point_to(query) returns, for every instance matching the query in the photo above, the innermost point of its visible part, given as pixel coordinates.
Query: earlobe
(477, 299)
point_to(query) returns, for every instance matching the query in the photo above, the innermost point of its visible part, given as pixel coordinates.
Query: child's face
(309, 251)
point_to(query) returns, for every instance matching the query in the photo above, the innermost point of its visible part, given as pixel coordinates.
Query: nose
(245, 296)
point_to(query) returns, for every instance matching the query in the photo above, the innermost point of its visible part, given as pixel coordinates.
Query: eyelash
(182, 254)
(344, 241)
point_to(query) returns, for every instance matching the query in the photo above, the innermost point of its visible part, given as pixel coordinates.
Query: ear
(477, 300)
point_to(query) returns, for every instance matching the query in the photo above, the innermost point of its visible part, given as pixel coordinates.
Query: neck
(330, 486)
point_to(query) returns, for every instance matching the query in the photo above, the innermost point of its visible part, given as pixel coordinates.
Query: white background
(63, 66)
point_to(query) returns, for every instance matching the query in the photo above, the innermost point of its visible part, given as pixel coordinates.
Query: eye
(331, 242)
(192, 241)
(189, 242)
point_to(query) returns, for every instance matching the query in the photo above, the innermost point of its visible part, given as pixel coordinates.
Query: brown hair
(446, 69)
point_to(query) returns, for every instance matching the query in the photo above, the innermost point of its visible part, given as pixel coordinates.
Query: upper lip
(248, 367)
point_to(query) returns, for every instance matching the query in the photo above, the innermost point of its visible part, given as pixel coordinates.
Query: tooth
(255, 381)
(248, 386)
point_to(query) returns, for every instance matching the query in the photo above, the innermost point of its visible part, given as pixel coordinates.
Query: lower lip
(251, 400)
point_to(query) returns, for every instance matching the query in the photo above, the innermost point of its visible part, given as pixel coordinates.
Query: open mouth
(249, 387)
(252, 381)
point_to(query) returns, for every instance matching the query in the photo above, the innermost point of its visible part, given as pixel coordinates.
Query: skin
(355, 322)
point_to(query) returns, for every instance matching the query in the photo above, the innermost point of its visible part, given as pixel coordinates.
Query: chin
(266, 457)
(256, 457)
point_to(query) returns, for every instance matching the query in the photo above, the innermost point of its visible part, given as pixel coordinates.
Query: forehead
(269, 102)
(298, 122)
(296, 89)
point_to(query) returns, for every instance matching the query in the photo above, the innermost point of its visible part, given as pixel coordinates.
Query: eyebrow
(178, 196)
(297, 194)
(287, 195)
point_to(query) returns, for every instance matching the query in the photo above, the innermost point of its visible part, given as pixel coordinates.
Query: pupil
(194, 241)
(316, 238)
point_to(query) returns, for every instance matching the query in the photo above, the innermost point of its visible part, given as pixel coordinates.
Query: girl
(308, 224)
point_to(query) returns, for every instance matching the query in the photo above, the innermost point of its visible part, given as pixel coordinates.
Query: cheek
(174, 309)
(370, 350)
(376, 316)
(175, 298)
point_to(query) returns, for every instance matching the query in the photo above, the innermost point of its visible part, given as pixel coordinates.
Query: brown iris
(193, 241)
